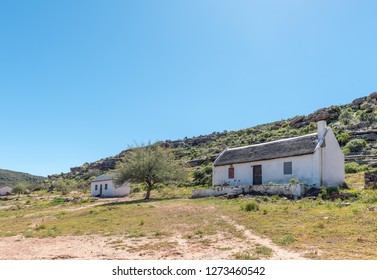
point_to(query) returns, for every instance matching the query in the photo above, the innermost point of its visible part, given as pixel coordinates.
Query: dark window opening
(287, 168)
(105, 186)
(96, 187)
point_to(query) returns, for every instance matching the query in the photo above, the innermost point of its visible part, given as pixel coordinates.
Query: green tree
(150, 165)
(20, 188)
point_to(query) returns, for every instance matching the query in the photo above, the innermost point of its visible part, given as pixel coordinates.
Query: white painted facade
(107, 188)
(325, 167)
(5, 190)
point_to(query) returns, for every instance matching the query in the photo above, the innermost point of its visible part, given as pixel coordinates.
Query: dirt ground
(174, 247)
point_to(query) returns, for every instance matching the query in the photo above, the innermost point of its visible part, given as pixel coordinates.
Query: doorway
(257, 174)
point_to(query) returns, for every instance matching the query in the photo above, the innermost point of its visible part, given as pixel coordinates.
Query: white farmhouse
(314, 159)
(104, 186)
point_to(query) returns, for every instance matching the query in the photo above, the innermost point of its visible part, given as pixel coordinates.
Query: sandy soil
(92, 247)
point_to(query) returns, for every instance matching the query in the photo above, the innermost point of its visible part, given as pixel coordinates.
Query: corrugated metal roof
(296, 146)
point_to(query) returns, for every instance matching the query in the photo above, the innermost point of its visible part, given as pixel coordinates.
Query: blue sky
(82, 80)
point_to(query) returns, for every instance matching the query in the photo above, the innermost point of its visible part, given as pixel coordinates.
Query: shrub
(343, 138)
(293, 181)
(346, 151)
(137, 188)
(354, 167)
(323, 193)
(369, 196)
(250, 206)
(345, 115)
(356, 145)
(20, 188)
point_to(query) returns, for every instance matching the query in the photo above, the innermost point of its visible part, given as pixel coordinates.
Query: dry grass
(323, 229)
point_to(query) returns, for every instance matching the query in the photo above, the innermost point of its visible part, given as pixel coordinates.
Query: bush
(346, 151)
(346, 115)
(20, 188)
(137, 188)
(250, 206)
(323, 193)
(356, 145)
(369, 196)
(294, 181)
(343, 139)
(354, 167)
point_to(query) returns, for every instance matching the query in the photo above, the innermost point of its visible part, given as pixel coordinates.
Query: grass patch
(57, 201)
(286, 240)
(244, 256)
(250, 206)
(262, 250)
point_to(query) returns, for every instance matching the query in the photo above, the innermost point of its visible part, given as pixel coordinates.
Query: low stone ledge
(297, 190)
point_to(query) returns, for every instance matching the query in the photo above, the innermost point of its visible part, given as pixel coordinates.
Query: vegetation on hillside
(12, 178)
(354, 125)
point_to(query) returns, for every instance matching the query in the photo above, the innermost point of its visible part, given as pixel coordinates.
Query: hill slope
(356, 120)
(11, 178)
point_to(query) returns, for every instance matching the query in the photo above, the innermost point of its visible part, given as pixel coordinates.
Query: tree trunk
(149, 188)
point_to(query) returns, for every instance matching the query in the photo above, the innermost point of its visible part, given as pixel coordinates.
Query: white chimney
(321, 129)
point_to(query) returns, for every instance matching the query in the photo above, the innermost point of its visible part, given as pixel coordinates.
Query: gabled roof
(105, 177)
(289, 147)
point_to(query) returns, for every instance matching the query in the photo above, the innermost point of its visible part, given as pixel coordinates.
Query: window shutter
(231, 172)
(287, 168)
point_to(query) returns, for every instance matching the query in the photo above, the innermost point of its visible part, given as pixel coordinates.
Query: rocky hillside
(355, 125)
(11, 178)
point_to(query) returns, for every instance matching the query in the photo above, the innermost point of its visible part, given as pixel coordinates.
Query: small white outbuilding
(314, 159)
(105, 186)
(6, 190)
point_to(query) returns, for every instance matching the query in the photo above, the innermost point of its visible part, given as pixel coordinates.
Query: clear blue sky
(82, 80)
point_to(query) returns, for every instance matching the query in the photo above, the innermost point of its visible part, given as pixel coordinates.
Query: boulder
(195, 162)
(296, 122)
(357, 102)
(372, 96)
(370, 179)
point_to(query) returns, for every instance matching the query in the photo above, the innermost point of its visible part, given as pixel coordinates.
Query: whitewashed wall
(111, 191)
(304, 168)
(5, 190)
(332, 161)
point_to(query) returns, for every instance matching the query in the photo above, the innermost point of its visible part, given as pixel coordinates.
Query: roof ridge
(274, 141)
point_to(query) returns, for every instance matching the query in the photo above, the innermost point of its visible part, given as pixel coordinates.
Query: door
(257, 174)
(100, 191)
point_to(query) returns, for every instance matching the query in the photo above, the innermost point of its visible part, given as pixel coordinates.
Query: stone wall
(370, 179)
(286, 190)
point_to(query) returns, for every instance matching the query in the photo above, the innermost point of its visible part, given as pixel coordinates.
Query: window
(287, 168)
(105, 186)
(231, 172)
(96, 187)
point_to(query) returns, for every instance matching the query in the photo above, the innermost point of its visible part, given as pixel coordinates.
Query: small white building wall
(5, 190)
(111, 190)
(332, 161)
(305, 168)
